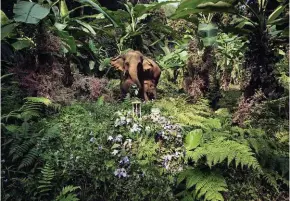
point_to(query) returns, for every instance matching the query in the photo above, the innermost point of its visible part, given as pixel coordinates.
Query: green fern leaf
(208, 185)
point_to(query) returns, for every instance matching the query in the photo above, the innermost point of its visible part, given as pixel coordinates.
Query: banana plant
(10, 35)
(131, 25)
(230, 57)
(260, 23)
(174, 59)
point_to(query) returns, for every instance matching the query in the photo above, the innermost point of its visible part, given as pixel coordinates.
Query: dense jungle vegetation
(217, 130)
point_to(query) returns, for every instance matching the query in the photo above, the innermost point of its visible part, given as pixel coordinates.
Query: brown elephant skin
(150, 90)
(137, 67)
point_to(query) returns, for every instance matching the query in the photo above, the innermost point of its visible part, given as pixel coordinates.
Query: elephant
(149, 89)
(125, 87)
(137, 67)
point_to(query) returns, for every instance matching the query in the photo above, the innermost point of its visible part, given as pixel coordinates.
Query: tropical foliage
(217, 131)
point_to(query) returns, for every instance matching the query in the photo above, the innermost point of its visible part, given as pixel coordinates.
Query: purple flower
(118, 138)
(125, 160)
(120, 173)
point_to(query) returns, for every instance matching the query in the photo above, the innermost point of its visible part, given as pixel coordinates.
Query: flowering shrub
(115, 152)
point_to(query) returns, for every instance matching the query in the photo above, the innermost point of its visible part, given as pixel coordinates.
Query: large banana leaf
(29, 12)
(188, 7)
(141, 9)
(276, 13)
(101, 10)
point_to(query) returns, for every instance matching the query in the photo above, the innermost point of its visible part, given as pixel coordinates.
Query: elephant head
(138, 68)
(131, 63)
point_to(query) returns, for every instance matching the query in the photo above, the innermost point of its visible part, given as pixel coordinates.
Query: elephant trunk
(133, 72)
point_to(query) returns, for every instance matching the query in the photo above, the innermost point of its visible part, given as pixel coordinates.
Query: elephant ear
(118, 63)
(148, 64)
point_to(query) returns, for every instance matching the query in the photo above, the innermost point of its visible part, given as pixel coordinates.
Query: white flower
(120, 173)
(77, 158)
(110, 138)
(135, 128)
(93, 139)
(168, 157)
(118, 138)
(115, 152)
(128, 120)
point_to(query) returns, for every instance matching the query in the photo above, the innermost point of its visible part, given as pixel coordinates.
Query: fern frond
(43, 100)
(29, 158)
(67, 194)
(19, 150)
(219, 149)
(208, 185)
(45, 184)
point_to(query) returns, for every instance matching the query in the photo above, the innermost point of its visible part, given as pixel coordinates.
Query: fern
(195, 116)
(31, 108)
(208, 185)
(45, 184)
(29, 158)
(219, 149)
(67, 195)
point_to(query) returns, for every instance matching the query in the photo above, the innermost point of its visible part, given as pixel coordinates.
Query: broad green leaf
(6, 30)
(92, 46)
(4, 19)
(60, 26)
(243, 23)
(276, 13)
(87, 26)
(193, 139)
(63, 8)
(68, 41)
(98, 8)
(22, 43)
(104, 64)
(96, 16)
(281, 52)
(92, 65)
(29, 12)
(115, 146)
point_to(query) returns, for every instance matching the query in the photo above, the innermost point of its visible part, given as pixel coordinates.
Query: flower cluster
(118, 138)
(168, 158)
(126, 119)
(170, 131)
(123, 119)
(121, 172)
(171, 136)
